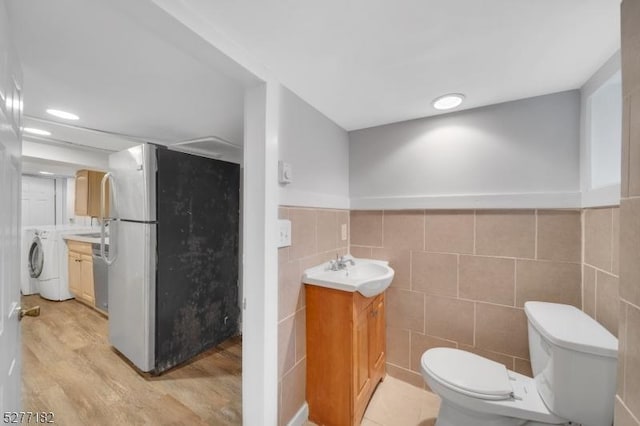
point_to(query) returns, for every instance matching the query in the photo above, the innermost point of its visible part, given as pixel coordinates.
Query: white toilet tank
(574, 361)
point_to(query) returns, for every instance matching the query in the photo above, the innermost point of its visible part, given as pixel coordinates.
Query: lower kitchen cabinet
(345, 353)
(80, 263)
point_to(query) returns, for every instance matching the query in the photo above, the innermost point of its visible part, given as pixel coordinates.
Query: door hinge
(244, 303)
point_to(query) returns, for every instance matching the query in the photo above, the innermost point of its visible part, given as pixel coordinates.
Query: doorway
(81, 332)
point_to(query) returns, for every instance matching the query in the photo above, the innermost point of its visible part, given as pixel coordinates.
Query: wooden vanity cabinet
(80, 264)
(345, 354)
(88, 191)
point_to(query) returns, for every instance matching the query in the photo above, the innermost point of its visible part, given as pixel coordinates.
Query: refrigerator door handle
(113, 251)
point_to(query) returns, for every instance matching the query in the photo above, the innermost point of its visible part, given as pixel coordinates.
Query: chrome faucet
(341, 262)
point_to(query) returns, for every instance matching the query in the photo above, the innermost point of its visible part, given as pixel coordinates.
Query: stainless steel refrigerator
(173, 254)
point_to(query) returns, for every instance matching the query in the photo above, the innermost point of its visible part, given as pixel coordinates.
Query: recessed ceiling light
(45, 173)
(448, 101)
(62, 114)
(38, 132)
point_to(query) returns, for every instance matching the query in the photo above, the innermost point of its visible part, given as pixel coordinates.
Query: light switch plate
(343, 231)
(285, 172)
(284, 239)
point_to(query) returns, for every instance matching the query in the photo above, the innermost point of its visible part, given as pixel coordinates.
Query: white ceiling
(370, 62)
(123, 73)
(73, 135)
(33, 166)
(126, 67)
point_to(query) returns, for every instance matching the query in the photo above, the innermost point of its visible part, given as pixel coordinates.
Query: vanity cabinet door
(362, 368)
(377, 339)
(345, 354)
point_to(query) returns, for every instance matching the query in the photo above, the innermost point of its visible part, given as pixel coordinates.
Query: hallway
(70, 369)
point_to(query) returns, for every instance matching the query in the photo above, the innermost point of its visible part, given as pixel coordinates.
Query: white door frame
(10, 235)
(260, 268)
(260, 213)
(260, 262)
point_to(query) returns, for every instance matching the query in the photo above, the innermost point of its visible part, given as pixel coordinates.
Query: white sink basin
(368, 277)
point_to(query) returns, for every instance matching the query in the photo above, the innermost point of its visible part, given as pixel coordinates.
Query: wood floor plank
(69, 368)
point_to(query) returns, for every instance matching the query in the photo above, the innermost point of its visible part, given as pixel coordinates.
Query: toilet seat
(468, 373)
(461, 398)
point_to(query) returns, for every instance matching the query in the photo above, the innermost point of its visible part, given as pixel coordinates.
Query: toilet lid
(468, 372)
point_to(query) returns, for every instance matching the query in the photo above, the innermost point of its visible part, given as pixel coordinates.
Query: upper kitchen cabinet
(87, 202)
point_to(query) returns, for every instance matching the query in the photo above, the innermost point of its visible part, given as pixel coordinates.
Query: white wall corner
(596, 81)
(600, 197)
(260, 266)
(301, 417)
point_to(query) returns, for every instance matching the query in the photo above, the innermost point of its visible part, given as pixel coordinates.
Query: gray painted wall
(520, 147)
(318, 150)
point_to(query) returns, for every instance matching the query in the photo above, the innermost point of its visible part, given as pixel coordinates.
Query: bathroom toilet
(573, 359)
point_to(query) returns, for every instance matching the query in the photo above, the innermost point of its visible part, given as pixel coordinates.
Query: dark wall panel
(198, 229)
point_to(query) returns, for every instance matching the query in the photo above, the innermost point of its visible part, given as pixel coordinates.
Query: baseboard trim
(301, 417)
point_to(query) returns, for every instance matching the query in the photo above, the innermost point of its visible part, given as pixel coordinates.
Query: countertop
(85, 239)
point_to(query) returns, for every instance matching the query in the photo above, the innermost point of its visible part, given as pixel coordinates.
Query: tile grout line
(463, 299)
(475, 314)
(458, 276)
(410, 347)
(295, 364)
(530, 259)
(474, 231)
(595, 297)
(603, 271)
(424, 313)
(633, 305)
(611, 238)
(515, 282)
(624, 358)
(631, 413)
(411, 270)
(535, 232)
(424, 230)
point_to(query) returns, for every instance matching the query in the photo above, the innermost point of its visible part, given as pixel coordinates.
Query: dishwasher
(100, 278)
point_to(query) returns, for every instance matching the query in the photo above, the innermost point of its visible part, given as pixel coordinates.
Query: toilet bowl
(476, 391)
(574, 363)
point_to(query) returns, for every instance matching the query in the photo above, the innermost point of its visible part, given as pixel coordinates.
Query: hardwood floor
(69, 368)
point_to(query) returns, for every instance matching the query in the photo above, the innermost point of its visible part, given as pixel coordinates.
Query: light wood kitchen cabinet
(74, 273)
(345, 354)
(86, 279)
(88, 191)
(81, 272)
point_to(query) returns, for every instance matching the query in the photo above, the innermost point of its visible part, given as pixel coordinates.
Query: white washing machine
(45, 256)
(28, 284)
(48, 261)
